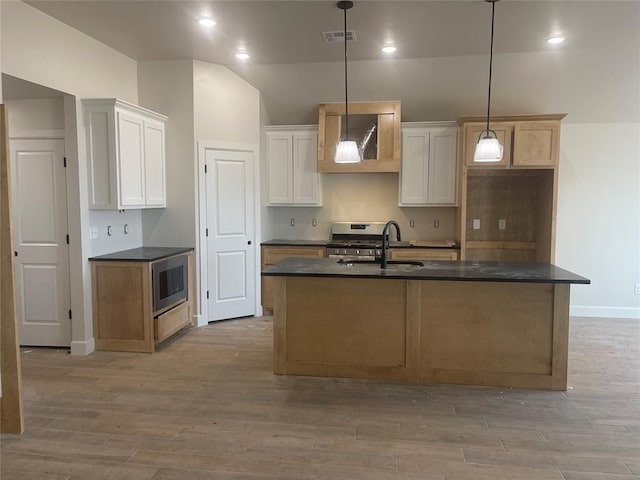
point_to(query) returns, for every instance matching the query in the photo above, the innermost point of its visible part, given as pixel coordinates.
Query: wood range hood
(379, 119)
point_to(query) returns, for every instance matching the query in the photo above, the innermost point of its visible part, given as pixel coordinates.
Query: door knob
(15, 253)
(249, 242)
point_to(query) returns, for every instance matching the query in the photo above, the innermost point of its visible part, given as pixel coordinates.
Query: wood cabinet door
(472, 133)
(536, 144)
(280, 167)
(274, 254)
(154, 165)
(130, 160)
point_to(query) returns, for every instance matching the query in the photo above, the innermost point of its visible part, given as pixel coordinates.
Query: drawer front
(271, 255)
(170, 322)
(423, 254)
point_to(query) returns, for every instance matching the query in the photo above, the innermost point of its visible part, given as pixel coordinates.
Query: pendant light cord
(346, 89)
(493, 11)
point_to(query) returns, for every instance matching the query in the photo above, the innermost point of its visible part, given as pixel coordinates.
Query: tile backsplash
(361, 197)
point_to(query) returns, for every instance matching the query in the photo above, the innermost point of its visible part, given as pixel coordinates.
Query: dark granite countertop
(323, 243)
(142, 254)
(296, 243)
(430, 270)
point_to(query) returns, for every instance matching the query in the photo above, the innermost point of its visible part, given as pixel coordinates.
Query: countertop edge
(393, 276)
(129, 255)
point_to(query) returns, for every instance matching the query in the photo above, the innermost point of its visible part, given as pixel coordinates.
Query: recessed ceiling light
(555, 40)
(206, 22)
(242, 55)
(389, 49)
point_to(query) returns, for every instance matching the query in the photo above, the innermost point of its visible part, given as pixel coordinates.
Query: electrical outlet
(502, 224)
(93, 233)
(292, 222)
(412, 223)
(476, 224)
(436, 224)
(636, 290)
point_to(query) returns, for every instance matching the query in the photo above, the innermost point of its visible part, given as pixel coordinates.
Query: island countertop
(430, 270)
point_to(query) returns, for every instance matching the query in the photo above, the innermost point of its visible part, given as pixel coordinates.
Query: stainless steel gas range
(356, 240)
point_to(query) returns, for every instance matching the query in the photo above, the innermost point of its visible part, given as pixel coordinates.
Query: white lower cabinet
(126, 155)
(292, 169)
(429, 171)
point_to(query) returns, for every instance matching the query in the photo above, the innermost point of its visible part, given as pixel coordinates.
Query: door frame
(202, 313)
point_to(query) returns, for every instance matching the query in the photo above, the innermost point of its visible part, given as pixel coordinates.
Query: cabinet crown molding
(117, 103)
(513, 118)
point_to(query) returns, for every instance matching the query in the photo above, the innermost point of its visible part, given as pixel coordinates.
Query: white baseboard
(608, 312)
(199, 321)
(83, 348)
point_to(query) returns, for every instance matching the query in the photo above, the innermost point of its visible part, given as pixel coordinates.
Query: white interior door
(40, 239)
(231, 234)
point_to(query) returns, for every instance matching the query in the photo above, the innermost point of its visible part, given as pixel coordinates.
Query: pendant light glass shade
(488, 149)
(347, 151)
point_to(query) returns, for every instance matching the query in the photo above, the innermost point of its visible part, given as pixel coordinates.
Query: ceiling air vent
(338, 37)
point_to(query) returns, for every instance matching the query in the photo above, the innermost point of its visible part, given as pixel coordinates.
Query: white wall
(42, 50)
(598, 227)
(226, 108)
(167, 87)
(35, 115)
(587, 85)
(226, 112)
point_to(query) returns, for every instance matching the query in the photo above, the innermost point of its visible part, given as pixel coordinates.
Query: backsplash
(103, 222)
(361, 197)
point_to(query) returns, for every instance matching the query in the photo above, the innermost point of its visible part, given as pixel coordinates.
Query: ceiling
(438, 72)
(285, 32)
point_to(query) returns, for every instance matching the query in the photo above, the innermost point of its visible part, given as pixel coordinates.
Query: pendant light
(488, 148)
(347, 150)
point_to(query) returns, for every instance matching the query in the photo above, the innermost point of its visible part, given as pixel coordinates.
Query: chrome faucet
(385, 241)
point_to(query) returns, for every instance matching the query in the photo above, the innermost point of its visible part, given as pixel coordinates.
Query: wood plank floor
(206, 406)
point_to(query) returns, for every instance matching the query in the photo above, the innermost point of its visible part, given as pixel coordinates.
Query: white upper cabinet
(429, 171)
(126, 155)
(292, 166)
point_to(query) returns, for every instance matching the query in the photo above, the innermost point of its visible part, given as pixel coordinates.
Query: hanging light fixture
(347, 150)
(488, 148)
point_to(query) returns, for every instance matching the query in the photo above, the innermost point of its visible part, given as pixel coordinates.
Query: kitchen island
(477, 323)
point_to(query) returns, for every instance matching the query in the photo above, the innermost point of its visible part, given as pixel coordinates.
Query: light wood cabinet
(513, 201)
(529, 141)
(384, 137)
(429, 172)
(126, 155)
(423, 254)
(272, 254)
(123, 316)
(292, 166)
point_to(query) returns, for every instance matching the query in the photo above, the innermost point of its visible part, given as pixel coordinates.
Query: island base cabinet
(474, 333)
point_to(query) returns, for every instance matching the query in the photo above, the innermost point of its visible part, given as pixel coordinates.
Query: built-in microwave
(170, 281)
